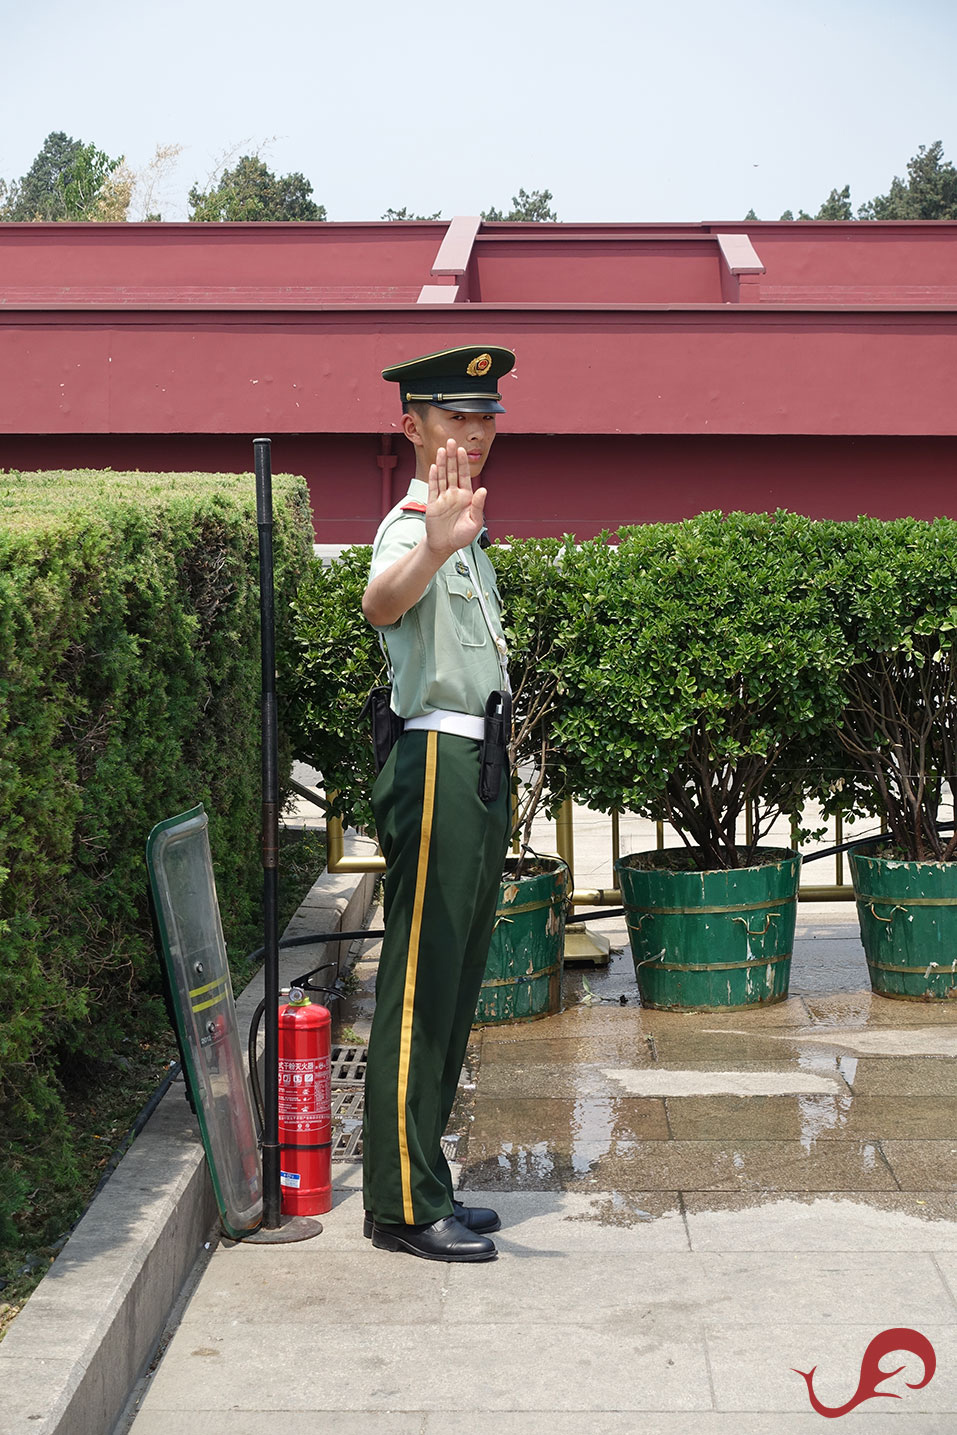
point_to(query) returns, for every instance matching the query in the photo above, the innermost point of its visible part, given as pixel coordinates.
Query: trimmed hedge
(129, 690)
(337, 662)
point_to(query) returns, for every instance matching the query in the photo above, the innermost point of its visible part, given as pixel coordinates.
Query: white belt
(442, 721)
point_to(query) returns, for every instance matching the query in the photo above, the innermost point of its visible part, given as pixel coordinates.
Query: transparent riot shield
(191, 935)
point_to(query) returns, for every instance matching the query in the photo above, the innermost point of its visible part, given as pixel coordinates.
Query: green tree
(837, 205)
(895, 204)
(251, 191)
(67, 180)
(525, 206)
(929, 192)
(405, 213)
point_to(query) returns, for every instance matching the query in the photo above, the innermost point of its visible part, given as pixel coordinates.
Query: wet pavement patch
(622, 1164)
(839, 1094)
(525, 1121)
(812, 1118)
(885, 1041)
(902, 1076)
(619, 1209)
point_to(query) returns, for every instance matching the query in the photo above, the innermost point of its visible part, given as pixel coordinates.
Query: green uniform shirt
(442, 654)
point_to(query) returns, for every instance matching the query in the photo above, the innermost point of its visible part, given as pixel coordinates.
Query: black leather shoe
(476, 1218)
(445, 1240)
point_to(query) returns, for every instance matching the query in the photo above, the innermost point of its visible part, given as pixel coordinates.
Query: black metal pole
(270, 835)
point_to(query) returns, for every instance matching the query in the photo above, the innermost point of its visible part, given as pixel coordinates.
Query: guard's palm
(454, 514)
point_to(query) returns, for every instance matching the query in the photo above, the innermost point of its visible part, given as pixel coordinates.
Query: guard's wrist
(437, 554)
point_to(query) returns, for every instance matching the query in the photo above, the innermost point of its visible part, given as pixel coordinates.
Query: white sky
(624, 109)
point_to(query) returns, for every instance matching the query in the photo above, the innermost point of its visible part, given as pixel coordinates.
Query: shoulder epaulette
(413, 506)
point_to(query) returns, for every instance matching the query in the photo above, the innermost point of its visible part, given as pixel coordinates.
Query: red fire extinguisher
(305, 1101)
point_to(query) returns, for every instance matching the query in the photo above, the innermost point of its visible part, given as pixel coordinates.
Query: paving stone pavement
(694, 1208)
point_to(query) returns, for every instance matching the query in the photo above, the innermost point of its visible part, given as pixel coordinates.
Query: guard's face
(473, 432)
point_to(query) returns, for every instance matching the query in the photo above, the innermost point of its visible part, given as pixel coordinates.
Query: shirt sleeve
(399, 538)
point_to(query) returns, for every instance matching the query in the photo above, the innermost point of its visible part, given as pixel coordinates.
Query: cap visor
(471, 406)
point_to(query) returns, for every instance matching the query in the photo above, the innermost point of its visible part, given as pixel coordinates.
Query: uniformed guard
(441, 801)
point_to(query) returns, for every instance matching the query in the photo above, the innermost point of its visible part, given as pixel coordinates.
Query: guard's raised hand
(454, 514)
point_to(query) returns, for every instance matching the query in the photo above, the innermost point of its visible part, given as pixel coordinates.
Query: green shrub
(894, 590)
(337, 661)
(530, 583)
(129, 690)
(693, 672)
(701, 664)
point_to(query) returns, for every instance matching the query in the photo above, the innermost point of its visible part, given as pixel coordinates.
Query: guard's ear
(411, 427)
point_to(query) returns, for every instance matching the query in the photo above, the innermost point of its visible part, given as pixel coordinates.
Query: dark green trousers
(444, 850)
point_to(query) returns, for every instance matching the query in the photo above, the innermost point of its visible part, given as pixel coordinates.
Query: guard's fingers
(442, 475)
(478, 501)
(459, 464)
(450, 458)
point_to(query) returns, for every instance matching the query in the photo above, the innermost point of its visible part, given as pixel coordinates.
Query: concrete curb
(88, 1332)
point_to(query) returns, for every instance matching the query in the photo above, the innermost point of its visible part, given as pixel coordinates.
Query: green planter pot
(908, 917)
(523, 974)
(706, 941)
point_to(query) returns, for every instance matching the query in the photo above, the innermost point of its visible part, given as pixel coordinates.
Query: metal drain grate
(347, 1123)
(348, 1067)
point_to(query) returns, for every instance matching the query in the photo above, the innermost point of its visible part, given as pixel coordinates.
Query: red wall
(613, 481)
(648, 383)
(553, 269)
(721, 369)
(872, 255)
(188, 260)
(541, 486)
(232, 328)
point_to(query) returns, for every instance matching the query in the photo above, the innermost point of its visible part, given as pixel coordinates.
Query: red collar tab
(413, 506)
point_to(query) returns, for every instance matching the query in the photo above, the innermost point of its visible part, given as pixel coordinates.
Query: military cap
(464, 379)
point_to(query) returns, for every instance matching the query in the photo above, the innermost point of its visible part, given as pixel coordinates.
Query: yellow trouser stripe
(408, 999)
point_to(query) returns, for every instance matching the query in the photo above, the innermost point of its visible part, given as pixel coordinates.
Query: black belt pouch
(386, 724)
(493, 754)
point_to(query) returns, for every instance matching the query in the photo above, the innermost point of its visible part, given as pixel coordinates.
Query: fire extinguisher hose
(312, 939)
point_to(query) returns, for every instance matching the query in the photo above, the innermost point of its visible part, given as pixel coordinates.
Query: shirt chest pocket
(466, 611)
